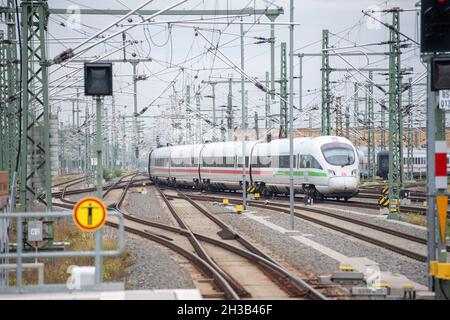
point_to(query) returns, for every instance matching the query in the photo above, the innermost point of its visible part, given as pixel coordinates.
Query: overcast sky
(178, 47)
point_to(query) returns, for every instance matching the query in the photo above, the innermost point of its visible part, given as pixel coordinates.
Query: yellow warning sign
(89, 214)
(442, 204)
(383, 201)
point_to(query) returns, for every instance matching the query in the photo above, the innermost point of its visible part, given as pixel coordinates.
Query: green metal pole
(99, 189)
(4, 138)
(188, 115)
(371, 131)
(256, 126)
(46, 110)
(35, 107)
(99, 147)
(326, 124)
(13, 86)
(410, 157)
(268, 122)
(213, 88)
(123, 143)
(347, 120)
(383, 125)
(283, 92)
(395, 176)
(356, 113)
(300, 82)
(272, 18)
(230, 110)
(135, 138)
(87, 145)
(23, 199)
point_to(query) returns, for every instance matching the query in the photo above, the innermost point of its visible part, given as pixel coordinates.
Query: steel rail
(280, 208)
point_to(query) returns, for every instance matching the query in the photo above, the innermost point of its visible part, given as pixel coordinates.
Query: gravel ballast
(154, 267)
(307, 259)
(148, 206)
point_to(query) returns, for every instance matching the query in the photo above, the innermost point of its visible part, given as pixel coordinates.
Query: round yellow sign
(89, 214)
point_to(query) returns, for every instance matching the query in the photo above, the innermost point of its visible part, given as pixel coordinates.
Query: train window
(264, 162)
(315, 164)
(284, 162)
(229, 162)
(239, 160)
(303, 161)
(338, 154)
(208, 162)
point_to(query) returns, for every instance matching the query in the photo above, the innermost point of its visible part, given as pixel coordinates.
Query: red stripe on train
(257, 172)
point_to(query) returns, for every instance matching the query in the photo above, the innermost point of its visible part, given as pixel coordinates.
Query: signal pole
(435, 43)
(283, 93)
(291, 116)
(326, 125)
(244, 124)
(395, 176)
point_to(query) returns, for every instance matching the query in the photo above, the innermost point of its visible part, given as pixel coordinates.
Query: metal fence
(20, 254)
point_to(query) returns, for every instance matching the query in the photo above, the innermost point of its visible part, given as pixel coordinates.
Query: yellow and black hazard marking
(385, 190)
(384, 201)
(393, 208)
(251, 189)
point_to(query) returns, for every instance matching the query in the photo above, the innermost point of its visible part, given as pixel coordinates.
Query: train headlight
(354, 172)
(331, 173)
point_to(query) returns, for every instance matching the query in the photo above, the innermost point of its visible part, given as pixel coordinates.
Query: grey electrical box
(35, 231)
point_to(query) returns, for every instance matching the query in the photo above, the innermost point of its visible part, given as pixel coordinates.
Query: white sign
(444, 99)
(93, 161)
(35, 231)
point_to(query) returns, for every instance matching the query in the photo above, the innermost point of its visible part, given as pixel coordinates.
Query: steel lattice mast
(395, 177)
(35, 175)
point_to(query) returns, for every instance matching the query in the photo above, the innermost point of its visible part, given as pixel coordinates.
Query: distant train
(419, 162)
(324, 167)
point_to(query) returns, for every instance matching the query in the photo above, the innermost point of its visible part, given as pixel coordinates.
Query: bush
(107, 174)
(117, 172)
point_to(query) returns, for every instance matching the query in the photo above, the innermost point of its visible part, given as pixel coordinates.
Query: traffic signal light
(435, 26)
(440, 73)
(98, 79)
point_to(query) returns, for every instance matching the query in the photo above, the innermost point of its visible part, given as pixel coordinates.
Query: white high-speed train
(325, 167)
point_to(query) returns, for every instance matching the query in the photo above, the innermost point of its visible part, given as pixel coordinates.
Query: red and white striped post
(441, 164)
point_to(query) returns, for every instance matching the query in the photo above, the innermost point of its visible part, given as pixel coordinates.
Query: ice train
(324, 167)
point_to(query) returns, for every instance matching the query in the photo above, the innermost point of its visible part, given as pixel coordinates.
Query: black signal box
(98, 79)
(435, 26)
(440, 73)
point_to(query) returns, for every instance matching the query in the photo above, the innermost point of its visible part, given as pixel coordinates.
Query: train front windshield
(338, 154)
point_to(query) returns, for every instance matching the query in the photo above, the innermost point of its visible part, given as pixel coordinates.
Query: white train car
(323, 166)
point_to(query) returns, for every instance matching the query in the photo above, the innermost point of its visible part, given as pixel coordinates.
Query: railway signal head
(98, 79)
(440, 73)
(435, 26)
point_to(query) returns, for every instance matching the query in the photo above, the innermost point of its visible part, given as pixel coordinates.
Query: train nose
(343, 184)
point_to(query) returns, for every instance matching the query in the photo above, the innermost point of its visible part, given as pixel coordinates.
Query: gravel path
(304, 258)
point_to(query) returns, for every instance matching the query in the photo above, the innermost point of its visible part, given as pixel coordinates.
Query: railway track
(208, 250)
(350, 203)
(380, 236)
